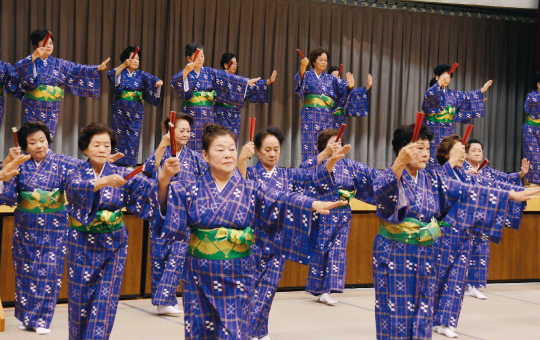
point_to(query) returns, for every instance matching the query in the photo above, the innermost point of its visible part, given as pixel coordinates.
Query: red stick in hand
(483, 164)
(195, 55)
(340, 132)
(15, 137)
(47, 37)
(418, 125)
(134, 172)
(340, 70)
(453, 68)
(301, 54)
(252, 128)
(467, 133)
(172, 120)
(135, 53)
(230, 64)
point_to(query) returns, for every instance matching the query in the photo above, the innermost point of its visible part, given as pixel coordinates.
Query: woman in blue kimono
(97, 241)
(409, 200)
(41, 76)
(41, 224)
(199, 85)
(531, 131)
(216, 213)
(444, 107)
(131, 86)
(166, 255)
(229, 115)
(9, 80)
(479, 261)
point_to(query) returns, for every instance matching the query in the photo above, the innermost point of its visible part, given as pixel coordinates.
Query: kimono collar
(130, 74)
(411, 178)
(460, 174)
(102, 169)
(261, 169)
(318, 76)
(210, 180)
(470, 165)
(41, 161)
(198, 73)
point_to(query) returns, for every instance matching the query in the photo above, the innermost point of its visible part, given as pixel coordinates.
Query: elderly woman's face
(322, 62)
(37, 145)
(49, 48)
(269, 151)
(457, 145)
(475, 153)
(222, 156)
(423, 156)
(99, 149)
(135, 62)
(182, 132)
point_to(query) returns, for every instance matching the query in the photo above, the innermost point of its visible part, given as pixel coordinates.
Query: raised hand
(252, 81)
(525, 166)
(116, 156)
(350, 79)
(159, 83)
(486, 86)
(369, 82)
(11, 168)
(272, 78)
(171, 167)
(103, 65)
(248, 150)
(323, 208)
(39, 52)
(524, 195)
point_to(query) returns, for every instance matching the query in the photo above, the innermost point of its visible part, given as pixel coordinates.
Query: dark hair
(211, 132)
(473, 141)
(404, 134)
(316, 53)
(332, 69)
(127, 53)
(38, 35)
(439, 70)
(86, 134)
(536, 80)
(446, 144)
(225, 59)
(270, 130)
(180, 116)
(324, 137)
(191, 48)
(30, 128)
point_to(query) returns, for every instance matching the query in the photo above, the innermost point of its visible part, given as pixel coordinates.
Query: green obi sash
(224, 105)
(201, 98)
(220, 243)
(321, 102)
(411, 231)
(105, 222)
(339, 111)
(445, 116)
(41, 201)
(135, 96)
(46, 93)
(345, 195)
(533, 122)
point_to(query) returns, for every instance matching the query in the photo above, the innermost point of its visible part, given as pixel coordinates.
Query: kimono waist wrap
(134, 96)
(41, 201)
(220, 243)
(224, 105)
(201, 98)
(46, 93)
(322, 101)
(445, 116)
(533, 122)
(345, 195)
(411, 231)
(105, 222)
(339, 111)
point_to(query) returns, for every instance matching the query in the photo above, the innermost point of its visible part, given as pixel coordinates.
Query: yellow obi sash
(321, 102)
(345, 195)
(533, 122)
(135, 96)
(411, 231)
(445, 116)
(220, 243)
(46, 93)
(105, 222)
(339, 111)
(201, 98)
(41, 201)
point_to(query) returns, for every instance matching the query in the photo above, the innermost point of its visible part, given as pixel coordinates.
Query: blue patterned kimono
(128, 114)
(38, 240)
(454, 252)
(229, 89)
(268, 248)
(80, 80)
(328, 265)
(531, 136)
(404, 274)
(459, 107)
(359, 107)
(230, 116)
(167, 256)
(9, 80)
(96, 260)
(316, 119)
(479, 260)
(217, 293)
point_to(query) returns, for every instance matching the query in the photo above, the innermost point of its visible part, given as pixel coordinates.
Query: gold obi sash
(201, 98)
(41, 201)
(321, 102)
(46, 93)
(220, 243)
(411, 231)
(135, 96)
(533, 122)
(445, 116)
(105, 222)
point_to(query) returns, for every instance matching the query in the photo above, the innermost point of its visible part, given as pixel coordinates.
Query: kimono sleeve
(83, 201)
(357, 103)
(512, 178)
(25, 70)
(68, 164)
(230, 88)
(116, 81)
(151, 93)
(289, 213)
(258, 93)
(141, 195)
(174, 225)
(392, 205)
(433, 99)
(532, 105)
(310, 163)
(469, 105)
(9, 196)
(11, 81)
(177, 83)
(363, 181)
(299, 87)
(316, 182)
(150, 168)
(81, 80)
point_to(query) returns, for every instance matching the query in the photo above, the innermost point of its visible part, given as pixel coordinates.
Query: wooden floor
(512, 311)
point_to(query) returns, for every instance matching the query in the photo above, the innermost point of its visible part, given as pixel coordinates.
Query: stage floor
(512, 311)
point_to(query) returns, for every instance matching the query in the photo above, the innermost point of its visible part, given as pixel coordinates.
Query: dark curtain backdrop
(399, 48)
